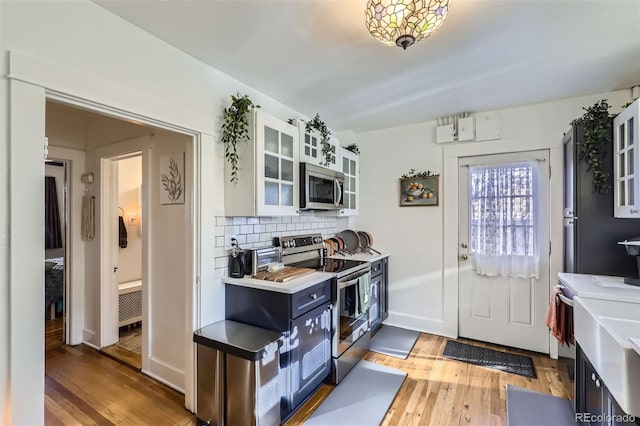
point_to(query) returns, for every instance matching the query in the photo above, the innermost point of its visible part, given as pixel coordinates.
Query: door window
(502, 219)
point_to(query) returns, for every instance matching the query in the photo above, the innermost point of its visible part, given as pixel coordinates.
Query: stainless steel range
(350, 298)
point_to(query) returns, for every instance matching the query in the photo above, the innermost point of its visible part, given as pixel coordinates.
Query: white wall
(420, 295)
(116, 64)
(129, 183)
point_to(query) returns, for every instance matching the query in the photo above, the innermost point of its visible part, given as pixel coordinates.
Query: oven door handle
(337, 193)
(348, 283)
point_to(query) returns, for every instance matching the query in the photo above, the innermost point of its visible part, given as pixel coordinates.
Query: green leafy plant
(235, 129)
(413, 174)
(596, 124)
(319, 125)
(353, 148)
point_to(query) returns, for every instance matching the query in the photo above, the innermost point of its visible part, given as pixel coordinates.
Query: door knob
(464, 245)
(464, 256)
(115, 269)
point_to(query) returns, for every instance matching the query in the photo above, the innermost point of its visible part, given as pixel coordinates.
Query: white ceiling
(316, 56)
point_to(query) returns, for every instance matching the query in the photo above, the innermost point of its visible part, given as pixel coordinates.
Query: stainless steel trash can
(238, 375)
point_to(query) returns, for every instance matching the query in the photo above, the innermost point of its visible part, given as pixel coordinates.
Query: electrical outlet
(227, 241)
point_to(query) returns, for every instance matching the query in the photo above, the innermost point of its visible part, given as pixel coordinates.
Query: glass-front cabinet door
(350, 168)
(277, 159)
(312, 150)
(625, 168)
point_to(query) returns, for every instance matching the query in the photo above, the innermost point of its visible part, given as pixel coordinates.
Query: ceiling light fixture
(404, 22)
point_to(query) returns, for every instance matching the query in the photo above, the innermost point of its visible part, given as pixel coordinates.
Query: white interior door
(494, 305)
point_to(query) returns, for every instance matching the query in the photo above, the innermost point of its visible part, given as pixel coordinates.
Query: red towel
(560, 318)
(552, 313)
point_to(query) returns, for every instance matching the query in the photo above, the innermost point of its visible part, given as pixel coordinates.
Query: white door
(503, 234)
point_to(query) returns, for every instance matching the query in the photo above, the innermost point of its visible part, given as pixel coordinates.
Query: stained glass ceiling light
(404, 22)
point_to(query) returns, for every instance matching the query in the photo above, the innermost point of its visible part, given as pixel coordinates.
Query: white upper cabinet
(351, 170)
(626, 179)
(268, 170)
(312, 151)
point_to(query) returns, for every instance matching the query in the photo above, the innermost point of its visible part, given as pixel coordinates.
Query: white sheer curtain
(503, 219)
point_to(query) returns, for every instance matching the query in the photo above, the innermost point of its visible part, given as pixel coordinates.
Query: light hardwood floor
(82, 386)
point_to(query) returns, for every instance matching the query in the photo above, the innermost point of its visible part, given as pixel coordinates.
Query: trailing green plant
(413, 174)
(596, 124)
(353, 148)
(235, 129)
(319, 125)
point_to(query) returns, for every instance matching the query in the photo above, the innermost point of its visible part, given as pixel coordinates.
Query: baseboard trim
(166, 374)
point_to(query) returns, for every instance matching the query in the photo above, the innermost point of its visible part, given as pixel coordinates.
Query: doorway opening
(503, 266)
(56, 257)
(129, 261)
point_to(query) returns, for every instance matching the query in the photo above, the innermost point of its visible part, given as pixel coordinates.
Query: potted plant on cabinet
(235, 129)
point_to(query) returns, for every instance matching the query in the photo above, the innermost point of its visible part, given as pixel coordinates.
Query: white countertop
(600, 287)
(362, 257)
(289, 287)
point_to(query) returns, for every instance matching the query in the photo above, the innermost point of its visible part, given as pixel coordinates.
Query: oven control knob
(285, 244)
(293, 243)
(317, 240)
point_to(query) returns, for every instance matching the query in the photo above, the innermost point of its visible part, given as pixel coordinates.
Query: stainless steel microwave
(321, 188)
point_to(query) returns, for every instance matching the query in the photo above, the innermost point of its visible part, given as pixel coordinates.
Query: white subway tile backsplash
(222, 262)
(231, 230)
(246, 229)
(266, 237)
(253, 232)
(272, 227)
(223, 221)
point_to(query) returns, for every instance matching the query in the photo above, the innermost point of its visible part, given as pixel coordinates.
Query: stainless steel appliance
(350, 336)
(591, 232)
(260, 259)
(320, 188)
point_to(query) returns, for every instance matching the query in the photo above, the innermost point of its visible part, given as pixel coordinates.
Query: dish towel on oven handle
(363, 293)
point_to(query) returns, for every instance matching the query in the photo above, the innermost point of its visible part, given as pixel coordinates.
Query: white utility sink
(603, 329)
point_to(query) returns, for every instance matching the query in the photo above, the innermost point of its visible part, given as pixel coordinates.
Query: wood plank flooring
(439, 391)
(84, 387)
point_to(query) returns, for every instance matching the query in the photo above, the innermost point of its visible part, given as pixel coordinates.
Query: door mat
(362, 397)
(394, 341)
(511, 363)
(529, 408)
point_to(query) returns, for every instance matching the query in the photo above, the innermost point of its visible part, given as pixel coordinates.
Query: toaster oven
(260, 259)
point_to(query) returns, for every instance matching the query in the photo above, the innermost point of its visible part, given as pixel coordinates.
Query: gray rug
(529, 408)
(503, 361)
(394, 341)
(362, 398)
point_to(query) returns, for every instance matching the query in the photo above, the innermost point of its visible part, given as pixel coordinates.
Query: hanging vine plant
(327, 151)
(596, 124)
(353, 148)
(235, 129)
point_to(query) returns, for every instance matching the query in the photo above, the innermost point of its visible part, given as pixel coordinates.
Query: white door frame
(109, 330)
(451, 154)
(29, 373)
